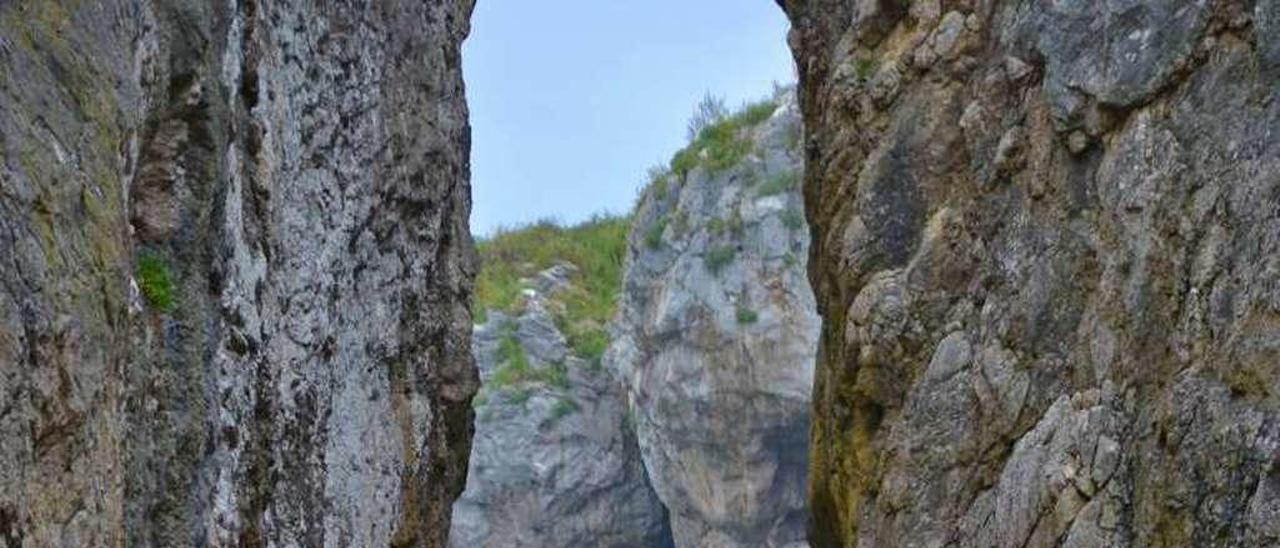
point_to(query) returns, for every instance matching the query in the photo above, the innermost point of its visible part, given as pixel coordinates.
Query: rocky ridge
(555, 462)
(716, 332)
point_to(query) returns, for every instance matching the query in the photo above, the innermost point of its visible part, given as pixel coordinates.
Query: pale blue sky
(572, 100)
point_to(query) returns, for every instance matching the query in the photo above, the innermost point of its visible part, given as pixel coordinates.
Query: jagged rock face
(715, 343)
(235, 260)
(1046, 255)
(555, 462)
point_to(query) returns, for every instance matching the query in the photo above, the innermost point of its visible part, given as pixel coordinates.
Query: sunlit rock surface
(716, 336)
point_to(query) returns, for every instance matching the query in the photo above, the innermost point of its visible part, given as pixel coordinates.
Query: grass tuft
(154, 281)
(717, 259)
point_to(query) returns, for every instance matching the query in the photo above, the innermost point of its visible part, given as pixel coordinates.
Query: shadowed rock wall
(1046, 251)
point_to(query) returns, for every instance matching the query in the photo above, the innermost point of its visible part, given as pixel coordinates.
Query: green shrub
(722, 143)
(653, 236)
(154, 281)
(718, 258)
(746, 315)
(778, 183)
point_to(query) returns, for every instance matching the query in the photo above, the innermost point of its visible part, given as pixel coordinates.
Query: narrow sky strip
(572, 100)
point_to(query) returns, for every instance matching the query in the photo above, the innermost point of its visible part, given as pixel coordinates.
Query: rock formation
(1046, 251)
(234, 254)
(555, 461)
(716, 333)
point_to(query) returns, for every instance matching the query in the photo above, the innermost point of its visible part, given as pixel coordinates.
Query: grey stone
(717, 361)
(297, 185)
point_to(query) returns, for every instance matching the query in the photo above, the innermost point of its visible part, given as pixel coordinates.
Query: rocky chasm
(1043, 241)
(688, 427)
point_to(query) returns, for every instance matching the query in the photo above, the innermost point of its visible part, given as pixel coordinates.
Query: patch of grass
(653, 236)
(596, 247)
(717, 259)
(521, 396)
(721, 143)
(732, 225)
(563, 408)
(865, 68)
(792, 219)
(515, 366)
(778, 183)
(155, 281)
(746, 315)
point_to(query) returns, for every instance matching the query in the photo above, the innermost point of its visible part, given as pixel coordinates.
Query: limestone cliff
(234, 254)
(716, 332)
(1046, 251)
(555, 461)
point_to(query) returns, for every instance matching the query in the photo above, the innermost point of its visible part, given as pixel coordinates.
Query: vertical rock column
(1046, 255)
(237, 273)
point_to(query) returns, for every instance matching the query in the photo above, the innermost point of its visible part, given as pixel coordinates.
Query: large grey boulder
(715, 342)
(234, 253)
(555, 462)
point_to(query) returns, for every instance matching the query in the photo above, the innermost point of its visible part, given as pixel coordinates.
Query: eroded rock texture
(1046, 251)
(234, 260)
(555, 461)
(715, 340)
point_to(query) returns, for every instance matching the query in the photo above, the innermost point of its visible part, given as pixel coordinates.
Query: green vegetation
(596, 248)
(154, 281)
(746, 315)
(719, 142)
(718, 258)
(733, 225)
(563, 408)
(865, 68)
(778, 183)
(653, 236)
(792, 219)
(515, 367)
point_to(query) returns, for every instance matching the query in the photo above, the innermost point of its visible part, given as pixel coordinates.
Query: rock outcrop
(716, 333)
(555, 461)
(234, 253)
(1046, 252)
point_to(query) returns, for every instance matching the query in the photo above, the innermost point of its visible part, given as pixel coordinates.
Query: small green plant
(658, 181)
(777, 184)
(719, 142)
(480, 400)
(564, 407)
(717, 259)
(789, 260)
(792, 219)
(521, 396)
(746, 315)
(154, 281)
(865, 67)
(653, 236)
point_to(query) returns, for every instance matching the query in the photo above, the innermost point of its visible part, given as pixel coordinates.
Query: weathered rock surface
(1047, 259)
(555, 461)
(234, 254)
(715, 342)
